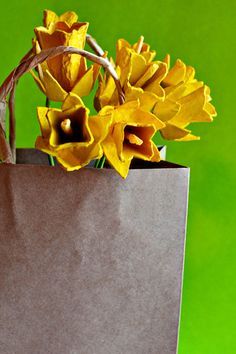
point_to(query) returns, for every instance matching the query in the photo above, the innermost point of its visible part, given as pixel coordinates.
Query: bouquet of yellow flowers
(137, 96)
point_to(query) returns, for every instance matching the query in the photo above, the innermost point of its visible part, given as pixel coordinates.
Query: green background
(201, 33)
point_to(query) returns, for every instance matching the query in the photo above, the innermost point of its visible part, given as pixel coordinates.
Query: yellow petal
(190, 73)
(99, 126)
(110, 151)
(86, 83)
(210, 109)
(141, 118)
(192, 109)
(43, 121)
(156, 157)
(121, 43)
(147, 99)
(49, 17)
(70, 17)
(154, 83)
(138, 67)
(74, 158)
(189, 137)
(53, 89)
(144, 50)
(107, 110)
(173, 132)
(75, 67)
(176, 74)
(148, 74)
(37, 47)
(38, 81)
(107, 93)
(42, 144)
(149, 56)
(122, 113)
(166, 110)
(156, 89)
(72, 102)
(118, 137)
(123, 61)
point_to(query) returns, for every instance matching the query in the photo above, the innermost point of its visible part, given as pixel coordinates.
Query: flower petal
(118, 137)
(72, 102)
(166, 110)
(53, 89)
(74, 158)
(138, 67)
(86, 83)
(38, 81)
(49, 17)
(110, 151)
(189, 137)
(192, 109)
(173, 132)
(156, 157)
(42, 144)
(176, 74)
(150, 71)
(147, 99)
(154, 83)
(70, 17)
(142, 118)
(43, 121)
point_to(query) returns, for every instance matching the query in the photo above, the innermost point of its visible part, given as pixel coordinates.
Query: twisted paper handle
(29, 62)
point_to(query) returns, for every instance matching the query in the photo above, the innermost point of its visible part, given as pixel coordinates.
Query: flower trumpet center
(72, 128)
(66, 126)
(133, 136)
(133, 139)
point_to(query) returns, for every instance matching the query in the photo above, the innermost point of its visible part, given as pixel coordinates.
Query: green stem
(96, 163)
(100, 163)
(51, 160)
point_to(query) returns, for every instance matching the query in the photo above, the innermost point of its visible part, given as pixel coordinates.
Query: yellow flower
(70, 134)
(130, 135)
(67, 72)
(186, 101)
(140, 77)
(174, 96)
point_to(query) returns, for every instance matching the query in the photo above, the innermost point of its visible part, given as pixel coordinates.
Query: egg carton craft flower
(136, 97)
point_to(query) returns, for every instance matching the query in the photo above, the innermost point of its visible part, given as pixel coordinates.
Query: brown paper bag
(91, 263)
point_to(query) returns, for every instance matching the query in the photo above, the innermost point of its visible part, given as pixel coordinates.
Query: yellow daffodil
(174, 96)
(130, 135)
(70, 134)
(68, 72)
(139, 75)
(186, 101)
